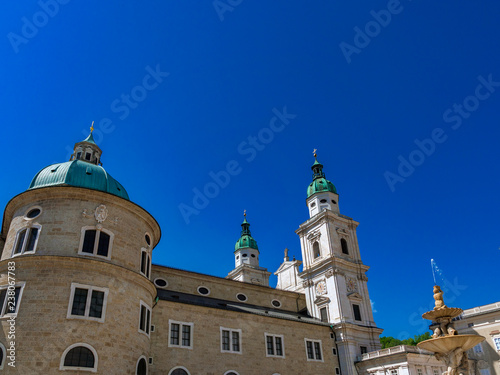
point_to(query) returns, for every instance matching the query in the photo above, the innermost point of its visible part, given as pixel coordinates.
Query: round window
(34, 212)
(147, 237)
(276, 303)
(203, 291)
(161, 283)
(241, 297)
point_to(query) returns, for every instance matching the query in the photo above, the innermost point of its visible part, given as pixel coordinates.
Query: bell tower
(333, 275)
(246, 259)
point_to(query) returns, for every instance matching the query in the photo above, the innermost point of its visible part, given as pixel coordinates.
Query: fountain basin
(446, 344)
(445, 312)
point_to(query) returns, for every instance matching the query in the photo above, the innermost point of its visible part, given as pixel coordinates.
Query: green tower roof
(320, 183)
(246, 240)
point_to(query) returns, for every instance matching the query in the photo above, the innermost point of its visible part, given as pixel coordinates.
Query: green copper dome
(246, 240)
(320, 183)
(78, 173)
(84, 170)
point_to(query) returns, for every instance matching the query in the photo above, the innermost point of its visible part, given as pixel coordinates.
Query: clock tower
(333, 277)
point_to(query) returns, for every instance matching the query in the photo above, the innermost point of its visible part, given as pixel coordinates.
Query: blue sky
(400, 98)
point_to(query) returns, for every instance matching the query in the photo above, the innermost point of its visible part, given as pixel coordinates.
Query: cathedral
(79, 292)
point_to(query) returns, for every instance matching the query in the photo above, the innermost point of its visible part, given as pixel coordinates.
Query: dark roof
(215, 303)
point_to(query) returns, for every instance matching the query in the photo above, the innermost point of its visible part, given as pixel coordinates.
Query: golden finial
(92, 127)
(245, 213)
(314, 152)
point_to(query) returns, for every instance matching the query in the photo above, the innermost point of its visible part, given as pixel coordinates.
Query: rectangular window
(478, 348)
(485, 371)
(10, 298)
(394, 372)
(87, 302)
(363, 349)
(419, 371)
(334, 351)
(435, 372)
(26, 240)
(145, 319)
(181, 334)
(337, 371)
(324, 314)
(274, 346)
(313, 350)
(496, 340)
(357, 312)
(145, 263)
(230, 340)
(96, 242)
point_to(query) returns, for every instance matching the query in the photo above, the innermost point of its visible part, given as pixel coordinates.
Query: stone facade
(484, 321)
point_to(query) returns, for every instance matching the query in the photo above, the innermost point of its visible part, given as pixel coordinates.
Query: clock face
(321, 288)
(351, 285)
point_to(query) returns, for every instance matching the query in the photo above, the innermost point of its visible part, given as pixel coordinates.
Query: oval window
(276, 303)
(313, 204)
(322, 201)
(161, 283)
(253, 255)
(203, 291)
(334, 202)
(244, 255)
(241, 297)
(34, 212)
(147, 237)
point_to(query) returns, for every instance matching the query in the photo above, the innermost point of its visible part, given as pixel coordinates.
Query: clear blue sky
(430, 71)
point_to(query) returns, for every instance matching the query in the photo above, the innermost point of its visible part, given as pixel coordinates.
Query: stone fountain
(446, 343)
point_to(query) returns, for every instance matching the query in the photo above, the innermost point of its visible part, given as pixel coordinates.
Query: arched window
(79, 357)
(343, 243)
(179, 371)
(26, 240)
(316, 251)
(142, 367)
(96, 242)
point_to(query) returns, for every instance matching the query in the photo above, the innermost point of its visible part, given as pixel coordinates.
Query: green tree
(388, 341)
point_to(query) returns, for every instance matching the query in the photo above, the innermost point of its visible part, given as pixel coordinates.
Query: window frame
(231, 351)
(98, 229)
(478, 349)
(88, 303)
(344, 247)
(71, 368)
(316, 256)
(4, 303)
(147, 323)
(148, 264)
(496, 342)
(313, 341)
(28, 230)
(181, 324)
(354, 312)
(137, 364)
(274, 336)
